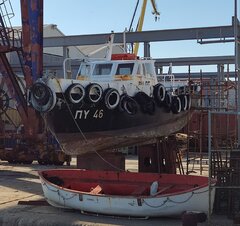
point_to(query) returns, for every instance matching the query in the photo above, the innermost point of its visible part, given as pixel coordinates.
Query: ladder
(10, 41)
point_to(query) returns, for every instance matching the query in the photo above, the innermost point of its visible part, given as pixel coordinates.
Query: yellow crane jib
(141, 20)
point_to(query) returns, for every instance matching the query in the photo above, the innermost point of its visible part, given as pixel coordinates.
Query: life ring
(128, 105)
(111, 98)
(94, 93)
(146, 103)
(176, 105)
(75, 93)
(42, 98)
(159, 93)
(184, 102)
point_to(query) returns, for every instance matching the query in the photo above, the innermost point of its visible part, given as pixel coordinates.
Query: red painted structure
(123, 56)
(224, 130)
(32, 45)
(29, 48)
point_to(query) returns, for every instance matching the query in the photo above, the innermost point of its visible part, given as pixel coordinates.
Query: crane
(141, 19)
(33, 141)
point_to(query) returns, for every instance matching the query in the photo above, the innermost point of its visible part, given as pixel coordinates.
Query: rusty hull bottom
(77, 143)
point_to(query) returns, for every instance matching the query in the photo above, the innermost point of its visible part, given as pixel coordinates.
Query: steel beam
(56, 62)
(197, 75)
(185, 61)
(221, 32)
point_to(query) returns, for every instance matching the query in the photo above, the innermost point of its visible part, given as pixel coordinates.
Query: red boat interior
(123, 183)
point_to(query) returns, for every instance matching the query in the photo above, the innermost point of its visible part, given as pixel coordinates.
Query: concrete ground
(20, 183)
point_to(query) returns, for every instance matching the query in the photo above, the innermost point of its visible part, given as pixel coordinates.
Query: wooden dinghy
(126, 193)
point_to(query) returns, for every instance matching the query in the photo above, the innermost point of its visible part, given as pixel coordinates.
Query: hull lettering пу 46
(84, 114)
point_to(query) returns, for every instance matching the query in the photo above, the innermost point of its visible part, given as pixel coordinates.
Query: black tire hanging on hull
(147, 104)
(111, 98)
(75, 93)
(184, 102)
(176, 105)
(42, 98)
(168, 100)
(128, 105)
(159, 93)
(94, 93)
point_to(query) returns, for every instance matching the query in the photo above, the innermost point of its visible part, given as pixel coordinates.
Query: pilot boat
(110, 103)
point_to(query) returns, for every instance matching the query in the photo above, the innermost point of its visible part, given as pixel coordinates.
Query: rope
(59, 194)
(164, 202)
(180, 202)
(176, 202)
(110, 164)
(85, 139)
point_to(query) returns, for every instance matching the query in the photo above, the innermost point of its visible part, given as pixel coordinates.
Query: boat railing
(171, 84)
(146, 58)
(168, 80)
(67, 69)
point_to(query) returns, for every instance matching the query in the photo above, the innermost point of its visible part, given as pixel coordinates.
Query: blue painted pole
(35, 12)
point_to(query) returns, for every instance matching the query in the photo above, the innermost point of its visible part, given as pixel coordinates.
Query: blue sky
(100, 16)
(76, 17)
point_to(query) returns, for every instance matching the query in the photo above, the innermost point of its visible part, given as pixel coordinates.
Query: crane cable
(133, 17)
(140, 25)
(155, 11)
(141, 20)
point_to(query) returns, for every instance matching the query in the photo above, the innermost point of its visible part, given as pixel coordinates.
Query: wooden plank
(163, 189)
(96, 190)
(34, 203)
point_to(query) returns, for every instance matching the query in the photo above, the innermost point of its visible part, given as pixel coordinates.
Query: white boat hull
(168, 205)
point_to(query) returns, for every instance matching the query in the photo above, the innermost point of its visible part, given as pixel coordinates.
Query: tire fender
(146, 103)
(111, 98)
(184, 102)
(159, 93)
(168, 99)
(75, 93)
(42, 97)
(176, 105)
(94, 93)
(128, 105)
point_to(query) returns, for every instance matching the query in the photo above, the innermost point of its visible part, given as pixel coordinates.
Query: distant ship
(112, 102)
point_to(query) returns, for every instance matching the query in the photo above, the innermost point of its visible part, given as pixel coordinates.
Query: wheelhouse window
(125, 69)
(85, 70)
(102, 69)
(149, 69)
(139, 70)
